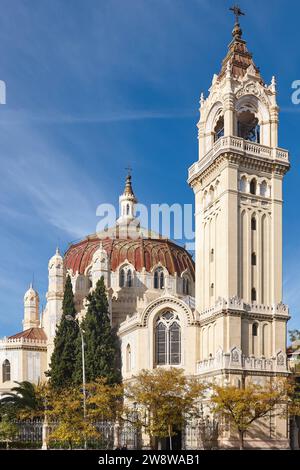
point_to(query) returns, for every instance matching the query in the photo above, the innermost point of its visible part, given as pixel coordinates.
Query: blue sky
(95, 85)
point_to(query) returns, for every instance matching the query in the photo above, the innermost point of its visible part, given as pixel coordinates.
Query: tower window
(185, 285)
(253, 295)
(122, 278)
(127, 209)
(253, 223)
(253, 186)
(6, 371)
(212, 254)
(253, 259)
(168, 339)
(243, 184)
(263, 189)
(212, 287)
(159, 279)
(128, 358)
(248, 127)
(254, 329)
(129, 278)
(219, 129)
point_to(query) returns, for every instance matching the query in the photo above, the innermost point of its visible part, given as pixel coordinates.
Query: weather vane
(237, 12)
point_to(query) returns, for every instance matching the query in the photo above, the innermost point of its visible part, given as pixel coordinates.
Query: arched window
(211, 195)
(6, 371)
(129, 278)
(161, 344)
(253, 259)
(159, 279)
(186, 285)
(243, 184)
(122, 278)
(253, 223)
(128, 358)
(248, 127)
(253, 185)
(254, 329)
(168, 339)
(263, 189)
(219, 129)
(127, 209)
(81, 283)
(253, 295)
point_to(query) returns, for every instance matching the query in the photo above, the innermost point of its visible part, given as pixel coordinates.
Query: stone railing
(236, 144)
(236, 360)
(235, 303)
(19, 341)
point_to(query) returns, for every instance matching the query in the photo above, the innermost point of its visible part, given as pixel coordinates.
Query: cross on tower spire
(237, 12)
(129, 170)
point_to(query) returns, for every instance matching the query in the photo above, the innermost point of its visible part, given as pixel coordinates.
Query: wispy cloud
(22, 116)
(41, 178)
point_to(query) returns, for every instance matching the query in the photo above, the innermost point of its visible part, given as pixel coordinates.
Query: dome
(30, 294)
(56, 259)
(140, 252)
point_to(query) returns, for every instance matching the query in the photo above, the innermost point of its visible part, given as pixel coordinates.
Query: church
(218, 318)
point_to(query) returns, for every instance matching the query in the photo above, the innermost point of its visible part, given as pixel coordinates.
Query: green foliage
(294, 335)
(66, 407)
(63, 360)
(8, 430)
(168, 396)
(24, 400)
(241, 407)
(101, 341)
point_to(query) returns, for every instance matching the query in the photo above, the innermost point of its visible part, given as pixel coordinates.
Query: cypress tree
(63, 359)
(101, 342)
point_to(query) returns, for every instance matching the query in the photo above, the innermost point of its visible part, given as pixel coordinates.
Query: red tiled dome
(141, 253)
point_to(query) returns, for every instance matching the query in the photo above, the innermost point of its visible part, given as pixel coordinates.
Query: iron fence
(30, 435)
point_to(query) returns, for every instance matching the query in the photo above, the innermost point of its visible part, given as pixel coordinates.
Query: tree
(8, 430)
(294, 335)
(241, 407)
(168, 397)
(63, 359)
(101, 341)
(104, 401)
(65, 406)
(24, 400)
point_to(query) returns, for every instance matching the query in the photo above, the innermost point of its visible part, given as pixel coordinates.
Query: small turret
(100, 266)
(31, 309)
(56, 273)
(127, 202)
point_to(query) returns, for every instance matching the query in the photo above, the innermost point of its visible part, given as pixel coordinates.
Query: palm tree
(24, 398)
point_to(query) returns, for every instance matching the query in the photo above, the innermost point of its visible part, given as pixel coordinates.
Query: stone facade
(226, 320)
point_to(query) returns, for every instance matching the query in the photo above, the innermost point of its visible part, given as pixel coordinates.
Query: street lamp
(70, 318)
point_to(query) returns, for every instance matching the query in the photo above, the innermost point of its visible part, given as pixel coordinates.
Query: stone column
(45, 434)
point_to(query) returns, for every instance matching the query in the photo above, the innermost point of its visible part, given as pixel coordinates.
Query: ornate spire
(128, 191)
(238, 55)
(127, 201)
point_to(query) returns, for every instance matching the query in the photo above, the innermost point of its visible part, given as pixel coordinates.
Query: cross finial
(237, 12)
(129, 169)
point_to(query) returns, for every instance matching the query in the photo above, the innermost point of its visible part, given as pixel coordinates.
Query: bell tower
(237, 182)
